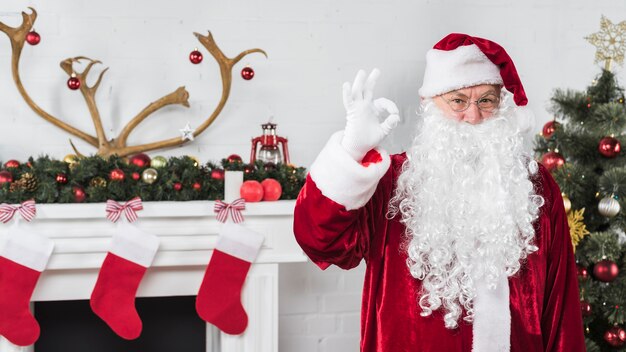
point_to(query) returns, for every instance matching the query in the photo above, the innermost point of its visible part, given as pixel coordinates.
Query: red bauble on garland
(609, 147)
(178, 186)
(73, 83)
(552, 160)
(271, 189)
(217, 174)
(136, 176)
(79, 194)
(117, 175)
(251, 191)
(11, 164)
(234, 158)
(615, 336)
(247, 73)
(33, 38)
(605, 270)
(549, 128)
(585, 308)
(5, 177)
(195, 57)
(61, 178)
(140, 160)
(249, 168)
(197, 186)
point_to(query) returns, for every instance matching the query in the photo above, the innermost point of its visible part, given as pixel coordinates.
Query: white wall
(313, 47)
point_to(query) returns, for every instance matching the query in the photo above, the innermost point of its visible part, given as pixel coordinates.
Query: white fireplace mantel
(188, 232)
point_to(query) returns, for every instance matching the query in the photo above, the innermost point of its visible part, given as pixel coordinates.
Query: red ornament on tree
(33, 38)
(615, 336)
(12, 164)
(136, 176)
(197, 186)
(583, 273)
(247, 73)
(140, 160)
(116, 175)
(5, 177)
(73, 83)
(609, 147)
(585, 307)
(234, 158)
(61, 178)
(79, 194)
(251, 191)
(552, 160)
(217, 174)
(605, 270)
(178, 186)
(549, 128)
(271, 189)
(195, 57)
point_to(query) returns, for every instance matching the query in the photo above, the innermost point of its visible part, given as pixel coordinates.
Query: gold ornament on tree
(566, 203)
(577, 227)
(117, 145)
(609, 206)
(610, 42)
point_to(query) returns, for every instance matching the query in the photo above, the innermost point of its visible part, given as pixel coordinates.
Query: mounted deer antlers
(118, 145)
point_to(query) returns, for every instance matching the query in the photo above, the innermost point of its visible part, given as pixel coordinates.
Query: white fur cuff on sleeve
(340, 178)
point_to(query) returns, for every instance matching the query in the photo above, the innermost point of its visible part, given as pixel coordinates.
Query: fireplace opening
(169, 324)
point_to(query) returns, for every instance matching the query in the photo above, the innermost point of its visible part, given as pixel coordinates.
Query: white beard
(468, 204)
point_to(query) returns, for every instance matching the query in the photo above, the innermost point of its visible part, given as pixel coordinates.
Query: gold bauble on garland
(149, 175)
(98, 182)
(158, 162)
(577, 227)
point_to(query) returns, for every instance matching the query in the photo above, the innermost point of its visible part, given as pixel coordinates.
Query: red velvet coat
(544, 302)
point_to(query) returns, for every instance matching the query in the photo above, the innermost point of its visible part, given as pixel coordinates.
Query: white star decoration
(187, 132)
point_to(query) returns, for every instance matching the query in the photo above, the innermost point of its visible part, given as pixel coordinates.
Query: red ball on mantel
(234, 158)
(73, 83)
(197, 186)
(33, 38)
(247, 73)
(217, 174)
(271, 189)
(178, 186)
(605, 270)
(117, 175)
(136, 176)
(195, 57)
(251, 191)
(61, 178)
(609, 147)
(552, 160)
(5, 177)
(12, 164)
(549, 128)
(615, 336)
(140, 160)
(79, 194)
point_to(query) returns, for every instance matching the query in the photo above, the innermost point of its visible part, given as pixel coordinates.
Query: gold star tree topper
(610, 42)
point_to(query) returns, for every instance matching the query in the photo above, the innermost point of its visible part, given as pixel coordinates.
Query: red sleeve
(561, 323)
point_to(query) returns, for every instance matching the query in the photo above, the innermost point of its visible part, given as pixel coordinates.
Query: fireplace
(188, 232)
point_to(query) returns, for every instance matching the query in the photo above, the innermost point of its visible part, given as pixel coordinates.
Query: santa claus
(465, 236)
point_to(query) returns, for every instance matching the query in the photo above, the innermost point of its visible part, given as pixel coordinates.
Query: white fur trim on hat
(340, 178)
(463, 67)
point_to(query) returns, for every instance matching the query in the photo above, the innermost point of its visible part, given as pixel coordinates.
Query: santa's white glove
(363, 130)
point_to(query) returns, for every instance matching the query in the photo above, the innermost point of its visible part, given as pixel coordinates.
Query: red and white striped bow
(130, 208)
(223, 209)
(27, 209)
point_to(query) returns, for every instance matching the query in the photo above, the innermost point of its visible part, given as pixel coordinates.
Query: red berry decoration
(140, 160)
(251, 191)
(583, 273)
(234, 158)
(79, 194)
(178, 186)
(549, 128)
(247, 73)
(605, 270)
(61, 178)
(116, 175)
(552, 160)
(197, 186)
(249, 168)
(195, 57)
(73, 83)
(585, 307)
(271, 189)
(136, 176)
(33, 38)
(11, 164)
(609, 147)
(5, 177)
(217, 174)
(615, 336)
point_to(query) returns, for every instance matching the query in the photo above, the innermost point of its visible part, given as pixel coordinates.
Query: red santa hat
(460, 61)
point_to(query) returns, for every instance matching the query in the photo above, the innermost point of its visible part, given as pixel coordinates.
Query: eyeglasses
(487, 103)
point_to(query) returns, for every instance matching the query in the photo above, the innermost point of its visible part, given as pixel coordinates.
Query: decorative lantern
(269, 152)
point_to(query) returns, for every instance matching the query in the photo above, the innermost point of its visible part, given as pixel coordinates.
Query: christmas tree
(583, 151)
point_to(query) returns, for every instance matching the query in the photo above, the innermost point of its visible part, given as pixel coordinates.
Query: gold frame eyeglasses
(483, 103)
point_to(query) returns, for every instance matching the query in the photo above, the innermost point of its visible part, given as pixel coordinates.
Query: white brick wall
(313, 47)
